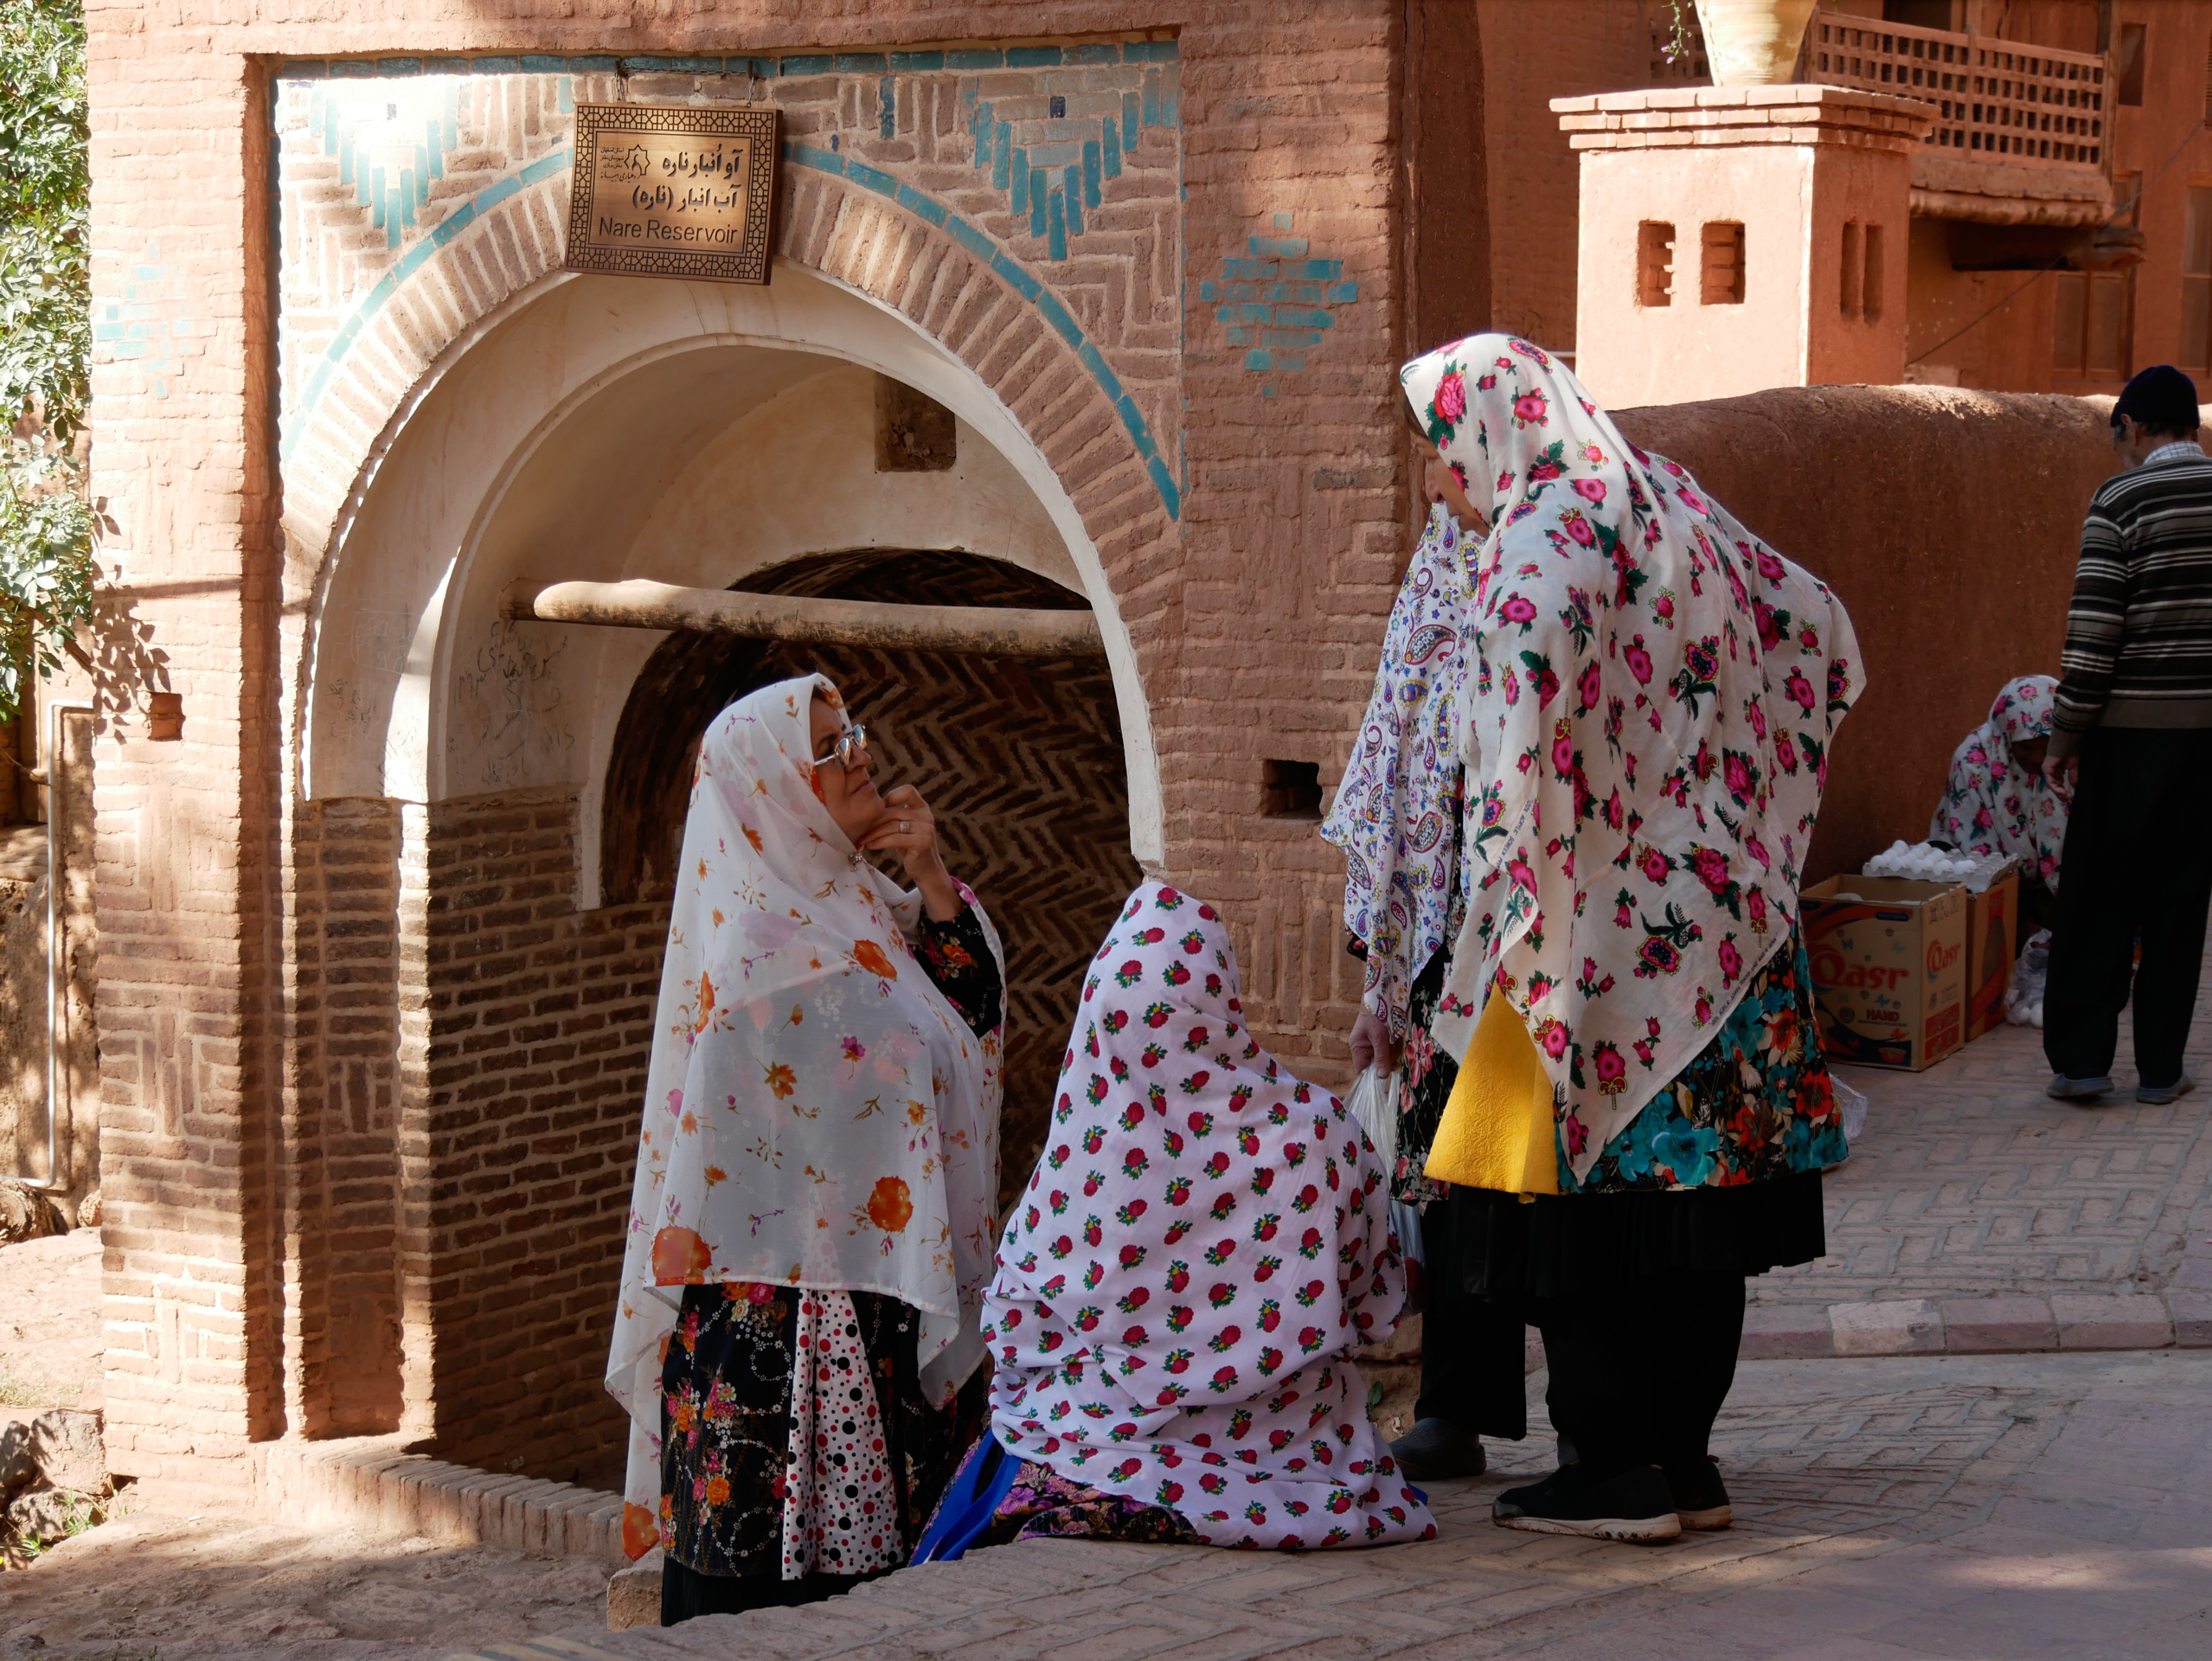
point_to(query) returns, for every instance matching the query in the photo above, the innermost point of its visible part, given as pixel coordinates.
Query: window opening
(1655, 258)
(2197, 281)
(1290, 790)
(1721, 273)
(1871, 290)
(2130, 67)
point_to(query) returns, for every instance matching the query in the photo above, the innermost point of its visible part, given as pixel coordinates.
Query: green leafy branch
(47, 520)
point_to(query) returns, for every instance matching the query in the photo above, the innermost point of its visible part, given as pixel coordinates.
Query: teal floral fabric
(1754, 1104)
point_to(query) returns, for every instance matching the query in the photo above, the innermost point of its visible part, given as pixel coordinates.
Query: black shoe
(1700, 1500)
(1436, 1450)
(1634, 1505)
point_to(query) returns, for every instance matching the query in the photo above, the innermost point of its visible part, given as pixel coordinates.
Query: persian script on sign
(672, 192)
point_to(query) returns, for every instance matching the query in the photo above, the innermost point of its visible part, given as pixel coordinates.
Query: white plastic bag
(2024, 998)
(1374, 1103)
(1851, 1104)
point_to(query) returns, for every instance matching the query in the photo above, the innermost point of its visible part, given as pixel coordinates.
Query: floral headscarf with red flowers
(1394, 807)
(1653, 691)
(1204, 1242)
(816, 1113)
(1995, 803)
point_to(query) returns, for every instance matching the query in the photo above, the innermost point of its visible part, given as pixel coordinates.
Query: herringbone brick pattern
(1971, 1181)
(1019, 758)
(1883, 1509)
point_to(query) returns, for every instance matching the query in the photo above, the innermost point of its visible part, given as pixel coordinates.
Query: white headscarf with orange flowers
(817, 1113)
(1652, 692)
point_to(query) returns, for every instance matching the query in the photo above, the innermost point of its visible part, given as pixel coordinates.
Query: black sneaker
(1436, 1450)
(1700, 1500)
(1634, 1505)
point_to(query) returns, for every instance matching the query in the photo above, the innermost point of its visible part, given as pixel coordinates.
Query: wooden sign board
(672, 192)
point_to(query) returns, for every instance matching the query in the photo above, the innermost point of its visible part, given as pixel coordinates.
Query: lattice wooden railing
(1995, 100)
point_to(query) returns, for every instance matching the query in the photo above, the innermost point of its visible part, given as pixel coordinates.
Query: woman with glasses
(810, 1230)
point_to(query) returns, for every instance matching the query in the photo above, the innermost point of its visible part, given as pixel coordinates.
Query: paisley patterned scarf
(1394, 807)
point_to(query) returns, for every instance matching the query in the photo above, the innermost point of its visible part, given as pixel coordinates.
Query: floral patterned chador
(1651, 696)
(1994, 803)
(810, 1229)
(1201, 1248)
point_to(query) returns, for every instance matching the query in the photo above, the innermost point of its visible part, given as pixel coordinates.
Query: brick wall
(538, 1032)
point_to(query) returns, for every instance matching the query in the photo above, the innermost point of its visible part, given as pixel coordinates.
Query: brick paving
(2019, 1506)
(2017, 1222)
(1887, 1508)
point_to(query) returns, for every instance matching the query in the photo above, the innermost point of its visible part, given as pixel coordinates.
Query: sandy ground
(50, 1320)
(147, 1587)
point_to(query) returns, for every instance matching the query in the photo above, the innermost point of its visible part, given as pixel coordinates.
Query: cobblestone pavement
(1942, 1506)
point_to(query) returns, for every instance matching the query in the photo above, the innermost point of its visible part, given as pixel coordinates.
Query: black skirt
(1589, 1245)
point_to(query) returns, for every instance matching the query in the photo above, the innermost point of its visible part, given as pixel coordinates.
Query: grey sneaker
(2062, 1088)
(1436, 1450)
(2159, 1094)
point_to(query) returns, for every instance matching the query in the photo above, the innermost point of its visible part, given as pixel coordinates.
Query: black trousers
(1473, 1374)
(1638, 1376)
(2138, 863)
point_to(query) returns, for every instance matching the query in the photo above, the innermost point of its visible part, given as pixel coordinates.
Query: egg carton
(1926, 863)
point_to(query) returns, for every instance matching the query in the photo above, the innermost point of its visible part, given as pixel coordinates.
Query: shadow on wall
(1948, 522)
(1020, 758)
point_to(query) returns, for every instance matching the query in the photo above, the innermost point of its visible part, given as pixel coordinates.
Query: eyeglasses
(850, 746)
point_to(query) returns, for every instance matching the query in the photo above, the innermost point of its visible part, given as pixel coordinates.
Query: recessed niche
(915, 433)
(1655, 257)
(1290, 790)
(1722, 273)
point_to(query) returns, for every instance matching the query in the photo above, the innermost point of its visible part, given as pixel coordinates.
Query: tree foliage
(46, 522)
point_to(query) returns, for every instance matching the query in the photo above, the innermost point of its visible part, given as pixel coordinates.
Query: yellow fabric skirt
(1496, 1132)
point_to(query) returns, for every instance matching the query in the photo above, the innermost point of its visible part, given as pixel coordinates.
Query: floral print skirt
(725, 1405)
(1720, 1173)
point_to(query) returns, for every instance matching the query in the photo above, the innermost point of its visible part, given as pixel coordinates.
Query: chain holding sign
(672, 192)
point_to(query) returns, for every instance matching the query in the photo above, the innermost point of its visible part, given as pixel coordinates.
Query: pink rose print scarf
(1396, 804)
(1204, 1243)
(1995, 804)
(815, 1113)
(1652, 695)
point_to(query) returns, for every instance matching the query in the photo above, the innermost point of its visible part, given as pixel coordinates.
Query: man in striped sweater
(2132, 751)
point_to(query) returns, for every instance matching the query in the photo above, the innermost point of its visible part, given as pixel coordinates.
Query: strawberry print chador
(1203, 1245)
(1651, 695)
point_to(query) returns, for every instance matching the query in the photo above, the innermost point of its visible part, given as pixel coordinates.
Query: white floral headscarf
(816, 1113)
(1204, 1243)
(1994, 803)
(1646, 733)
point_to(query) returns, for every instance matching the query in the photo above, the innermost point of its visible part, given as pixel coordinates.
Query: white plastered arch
(546, 444)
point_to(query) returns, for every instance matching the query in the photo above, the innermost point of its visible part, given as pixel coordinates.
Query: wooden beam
(1002, 631)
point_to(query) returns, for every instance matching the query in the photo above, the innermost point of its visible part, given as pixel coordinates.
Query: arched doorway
(1020, 758)
(462, 1157)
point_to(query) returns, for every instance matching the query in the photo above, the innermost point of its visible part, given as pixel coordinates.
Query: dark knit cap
(2161, 398)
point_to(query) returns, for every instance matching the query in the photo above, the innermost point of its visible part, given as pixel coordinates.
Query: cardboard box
(1992, 943)
(1888, 969)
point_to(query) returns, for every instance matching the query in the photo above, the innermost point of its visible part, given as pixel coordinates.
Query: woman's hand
(1371, 1045)
(909, 829)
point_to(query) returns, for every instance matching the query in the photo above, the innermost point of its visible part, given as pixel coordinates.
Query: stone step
(372, 1483)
